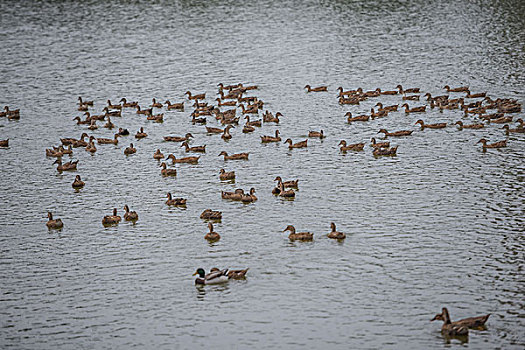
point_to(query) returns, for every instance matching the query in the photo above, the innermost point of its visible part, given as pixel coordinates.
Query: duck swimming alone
(51, 224)
(301, 236)
(471, 322)
(215, 277)
(212, 236)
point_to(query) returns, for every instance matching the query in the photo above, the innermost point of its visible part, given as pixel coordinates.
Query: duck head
(200, 272)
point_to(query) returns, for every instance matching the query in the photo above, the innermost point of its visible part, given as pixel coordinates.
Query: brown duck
(237, 156)
(334, 234)
(396, 133)
(141, 134)
(175, 201)
(431, 126)
(469, 126)
(471, 322)
(109, 220)
(209, 214)
(212, 236)
(385, 152)
(499, 144)
(190, 160)
(316, 134)
(300, 236)
(200, 149)
(130, 215)
(276, 138)
(300, 144)
(316, 89)
(78, 183)
(352, 147)
(167, 172)
(178, 138)
(53, 224)
(223, 175)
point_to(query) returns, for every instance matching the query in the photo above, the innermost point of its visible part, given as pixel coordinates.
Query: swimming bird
(130, 150)
(215, 277)
(167, 172)
(351, 147)
(111, 219)
(431, 126)
(69, 166)
(316, 89)
(78, 183)
(266, 139)
(171, 106)
(51, 224)
(189, 160)
(385, 151)
(130, 215)
(223, 175)
(471, 322)
(499, 144)
(301, 236)
(317, 134)
(201, 149)
(141, 134)
(178, 138)
(158, 155)
(212, 236)
(419, 109)
(508, 130)
(404, 91)
(396, 133)
(209, 214)
(379, 144)
(237, 156)
(334, 234)
(452, 329)
(469, 126)
(175, 201)
(300, 144)
(457, 89)
(125, 103)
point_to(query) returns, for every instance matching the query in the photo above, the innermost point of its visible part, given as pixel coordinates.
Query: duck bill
(196, 273)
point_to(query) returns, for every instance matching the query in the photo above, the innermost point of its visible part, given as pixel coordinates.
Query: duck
(237, 156)
(266, 139)
(11, 114)
(212, 236)
(389, 92)
(91, 146)
(106, 141)
(167, 172)
(251, 87)
(396, 133)
(221, 103)
(438, 99)
(419, 109)
(178, 138)
(155, 104)
(55, 152)
(209, 214)
(257, 123)
(499, 144)
(55, 224)
(201, 149)
(215, 277)
(316, 89)
(81, 102)
(508, 130)
(300, 144)
(130, 215)
(125, 103)
(381, 113)
(379, 144)
(93, 125)
(478, 95)
(334, 234)
(246, 129)
(148, 111)
(247, 99)
(223, 175)
(457, 89)
(175, 201)
(190, 160)
(316, 134)
(451, 329)
(212, 130)
(385, 151)
(300, 236)
(233, 95)
(359, 118)
(130, 149)
(158, 155)
(82, 122)
(112, 106)
(281, 191)
(469, 126)
(372, 93)
(288, 184)
(171, 106)
(109, 113)
(352, 147)
(392, 108)
(501, 120)
(157, 118)
(111, 219)
(195, 97)
(109, 124)
(71, 141)
(249, 197)
(250, 110)
(345, 93)
(123, 132)
(351, 101)
(229, 87)
(410, 90)
(69, 166)
(269, 118)
(476, 322)
(431, 126)
(141, 134)
(411, 98)
(197, 120)
(226, 133)
(235, 196)
(78, 183)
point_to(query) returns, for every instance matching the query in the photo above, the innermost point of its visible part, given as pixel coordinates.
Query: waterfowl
(69, 166)
(111, 219)
(441, 98)
(431, 126)
(141, 134)
(508, 130)
(175, 201)
(226, 133)
(148, 111)
(276, 138)
(334, 234)
(221, 103)
(82, 122)
(396, 133)
(106, 141)
(411, 98)
(81, 142)
(91, 146)
(419, 109)
(167, 172)
(96, 117)
(93, 125)
(359, 118)
(197, 120)
(236, 195)
(281, 191)
(390, 92)
(301, 236)
(379, 144)
(237, 156)
(350, 101)
(385, 151)
(130, 215)
(70, 141)
(209, 214)
(300, 144)
(457, 89)
(78, 183)
(246, 129)
(316, 89)
(247, 99)
(372, 93)
(158, 155)
(404, 91)
(237, 274)
(109, 124)
(212, 236)
(190, 160)
(53, 224)
(476, 322)
(130, 149)
(289, 184)
(215, 277)
(195, 97)
(212, 130)
(392, 108)
(251, 110)
(155, 104)
(449, 328)
(201, 149)
(233, 95)
(223, 175)
(53, 152)
(249, 197)
(81, 102)
(469, 126)
(123, 132)
(67, 150)
(82, 108)
(245, 88)
(317, 134)
(478, 95)
(257, 123)
(269, 118)
(125, 103)
(109, 113)
(178, 138)
(229, 87)
(352, 147)
(345, 93)
(158, 118)
(501, 120)
(379, 114)
(443, 106)
(171, 106)
(499, 144)
(520, 122)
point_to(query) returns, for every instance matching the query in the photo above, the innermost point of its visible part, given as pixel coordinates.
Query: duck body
(109, 220)
(351, 147)
(212, 236)
(385, 151)
(178, 138)
(476, 322)
(379, 144)
(457, 89)
(167, 172)
(249, 197)
(235, 196)
(419, 109)
(469, 126)
(301, 144)
(499, 144)
(316, 134)
(130, 215)
(78, 183)
(431, 126)
(267, 139)
(158, 155)
(396, 133)
(200, 149)
(105, 141)
(53, 224)
(215, 277)
(141, 134)
(316, 89)
(223, 175)
(359, 118)
(130, 150)
(334, 234)
(298, 236)
(175, 201)
(188, 160)
(209, 214)
(238, 156)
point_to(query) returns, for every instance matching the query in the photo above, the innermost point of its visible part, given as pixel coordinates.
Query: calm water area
(439, 225)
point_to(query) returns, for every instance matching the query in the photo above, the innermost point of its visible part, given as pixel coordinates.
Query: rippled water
(439, 225)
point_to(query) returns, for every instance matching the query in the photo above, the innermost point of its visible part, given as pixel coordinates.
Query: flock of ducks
(487, 111)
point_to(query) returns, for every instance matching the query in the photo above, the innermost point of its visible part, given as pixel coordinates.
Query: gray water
(439, 225)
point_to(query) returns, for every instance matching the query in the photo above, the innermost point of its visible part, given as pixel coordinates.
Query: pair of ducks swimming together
(239, 195)
(461, 327)
(217, 276)
(114, 219)
(308, 236)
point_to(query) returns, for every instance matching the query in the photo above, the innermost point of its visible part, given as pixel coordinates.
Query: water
(439, 225)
